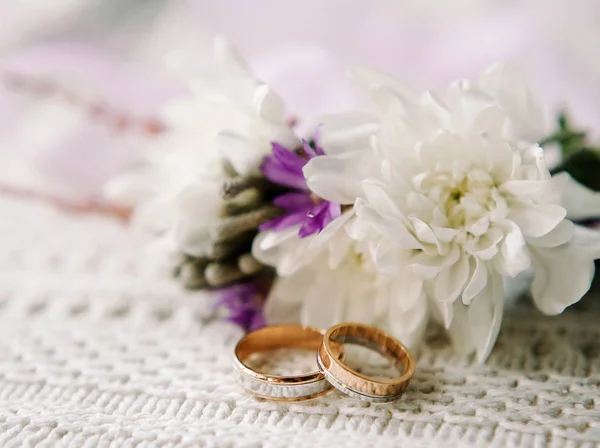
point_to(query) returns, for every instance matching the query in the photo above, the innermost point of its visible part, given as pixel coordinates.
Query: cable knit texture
(98, 349)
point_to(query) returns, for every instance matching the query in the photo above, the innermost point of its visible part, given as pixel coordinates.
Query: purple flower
(302, 206)
(244, 302)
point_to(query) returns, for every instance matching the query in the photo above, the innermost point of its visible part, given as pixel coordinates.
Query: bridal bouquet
(413, 210)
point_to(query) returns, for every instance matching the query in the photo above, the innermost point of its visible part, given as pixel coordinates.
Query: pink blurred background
(114, 53)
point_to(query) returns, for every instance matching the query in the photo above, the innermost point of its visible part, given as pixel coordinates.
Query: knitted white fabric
(97, 349)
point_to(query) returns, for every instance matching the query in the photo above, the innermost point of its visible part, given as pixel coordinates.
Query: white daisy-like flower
(226, 124)
(458, 196)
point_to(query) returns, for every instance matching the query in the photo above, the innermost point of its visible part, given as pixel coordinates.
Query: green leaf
(568, 139)
(584, 167)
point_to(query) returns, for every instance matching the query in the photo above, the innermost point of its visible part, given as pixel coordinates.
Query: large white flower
(461, 197)
(225, 125)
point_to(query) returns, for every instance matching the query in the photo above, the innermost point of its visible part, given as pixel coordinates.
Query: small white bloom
(339, 282)
(229, 118)
(458, 195)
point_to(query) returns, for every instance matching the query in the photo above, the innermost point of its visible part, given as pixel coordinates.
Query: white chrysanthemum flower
(230, 118)
(461, 197)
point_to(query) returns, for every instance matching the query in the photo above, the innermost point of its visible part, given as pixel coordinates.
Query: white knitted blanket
(97, 349)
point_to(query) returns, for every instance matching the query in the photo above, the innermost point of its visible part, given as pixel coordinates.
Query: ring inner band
(283, 388)
(393, 353)
(352, 382)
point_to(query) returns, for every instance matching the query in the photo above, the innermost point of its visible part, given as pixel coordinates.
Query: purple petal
(334, 210)
(294, 201)
(258, 321)
(244, 303)
(287, 158)
(318, 218)
(284, 222)
(238, 289)
(308, 228)
(241, 319)
(269, 224)
(317, 138)
(317, 209)
(314, 221)
(284, 167)
(310, 152)
(282, 176)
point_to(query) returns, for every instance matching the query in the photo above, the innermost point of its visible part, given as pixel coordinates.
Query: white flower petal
(422, 207)
(433, 104)
(501, 156)
(197, 218)
(507, 85)
(386, 259)
(580, 202)
(268, 104)
(373, 79)
(533, 162)
(229, 57)
(283, 250)
(513, 257)
(243, 153)
(286, 297)
(359, 303)
(396, 137)
(485, 316)
(282, 134)
(423, 231)
(548, 191)
(270, 239)
(450, 282)
(561, 234)
(406, 289)
(397, 234)
(443, 311)
(323, 303)
(331, 229)
(586, 241)
(407, 325)
(536, 220)
(490, 122)
(486, 246)
(427, 266)
(459, 329)
(444, 234)
(379, 200)
(476, 327)
(338, 178)
(341, 248)
(347, 132)
(480, 226)
(468, 102)
(295, 258)
(443, 150)
(564, 274)
(478, 280)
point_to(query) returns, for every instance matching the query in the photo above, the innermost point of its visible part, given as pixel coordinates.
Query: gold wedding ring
(282, 388)
(353, 383)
